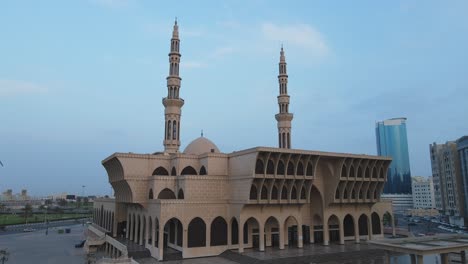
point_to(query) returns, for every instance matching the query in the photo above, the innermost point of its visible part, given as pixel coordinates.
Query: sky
(80, 80)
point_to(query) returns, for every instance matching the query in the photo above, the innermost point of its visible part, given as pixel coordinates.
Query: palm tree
(27, 212)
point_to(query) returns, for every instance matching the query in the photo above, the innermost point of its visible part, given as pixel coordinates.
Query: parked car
(28, 230)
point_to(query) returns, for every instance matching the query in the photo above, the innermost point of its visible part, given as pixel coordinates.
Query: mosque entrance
(292, 236)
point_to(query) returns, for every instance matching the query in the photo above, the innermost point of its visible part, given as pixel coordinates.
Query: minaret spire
(284, 118)
(173, 103)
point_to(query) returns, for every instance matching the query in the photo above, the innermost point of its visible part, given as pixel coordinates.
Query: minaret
(284, 118)
(173, 103)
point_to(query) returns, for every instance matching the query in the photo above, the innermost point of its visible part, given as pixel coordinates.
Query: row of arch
(104, 218)
(353, 190)
(283, 87)
(173, 92)
(275, 192)
(172, 130)
(166, 194)
(174, 69)
(280, 169)
(175, 45)
(352, 173)
(188, 170)
(284, 139)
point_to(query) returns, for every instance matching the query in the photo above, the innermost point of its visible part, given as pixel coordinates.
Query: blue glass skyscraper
(393, 142)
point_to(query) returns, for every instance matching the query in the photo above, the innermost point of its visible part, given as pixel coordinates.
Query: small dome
(201, 145)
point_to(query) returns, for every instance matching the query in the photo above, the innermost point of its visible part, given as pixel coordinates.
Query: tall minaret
(173, 103)
(284, 118)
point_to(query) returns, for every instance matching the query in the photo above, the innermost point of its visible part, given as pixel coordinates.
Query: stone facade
(202, 202)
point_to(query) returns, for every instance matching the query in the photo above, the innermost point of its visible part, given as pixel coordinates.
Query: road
(13, 229)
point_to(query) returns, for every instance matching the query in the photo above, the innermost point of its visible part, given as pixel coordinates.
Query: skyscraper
(392, 142)
(462, 148)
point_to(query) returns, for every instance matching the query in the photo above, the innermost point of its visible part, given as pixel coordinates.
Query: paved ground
(36, 247)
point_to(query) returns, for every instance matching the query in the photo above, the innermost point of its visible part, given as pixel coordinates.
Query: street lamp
(45, 221)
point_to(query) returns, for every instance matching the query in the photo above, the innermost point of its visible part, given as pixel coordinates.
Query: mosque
(202, 202)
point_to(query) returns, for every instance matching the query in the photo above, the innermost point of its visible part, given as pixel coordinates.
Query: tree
(48, 201)
(4, 254)
(2, 207)
(27, 211)
(62, 202)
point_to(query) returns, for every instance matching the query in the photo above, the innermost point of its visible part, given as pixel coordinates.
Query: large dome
(201, 145)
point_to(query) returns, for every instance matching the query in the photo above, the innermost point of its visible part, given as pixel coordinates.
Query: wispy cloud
(301, 35)
(15, 87)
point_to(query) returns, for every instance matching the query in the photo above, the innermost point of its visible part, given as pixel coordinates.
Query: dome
(201, 145)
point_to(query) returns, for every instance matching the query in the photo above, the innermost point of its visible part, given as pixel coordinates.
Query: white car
(28, 230)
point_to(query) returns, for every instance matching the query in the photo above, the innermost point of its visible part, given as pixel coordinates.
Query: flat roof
(438, 244)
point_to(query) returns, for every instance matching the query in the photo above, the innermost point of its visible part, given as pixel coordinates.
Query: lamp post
(45, 221)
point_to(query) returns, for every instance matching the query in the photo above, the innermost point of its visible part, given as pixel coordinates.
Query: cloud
(222, 52)
(14, 87)
(300, 35)
(111, 3)
(192, 64)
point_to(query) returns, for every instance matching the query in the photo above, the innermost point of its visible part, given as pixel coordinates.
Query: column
(136, 233)
(369, 228)
(229, 234)
(444, 258)
(161, 243)
(326, 234)
(208, 236)
(267, 236)
(393, 226)
(147, 231)
(356, 231)
(261, 236)
(127, 230)
(340, 225)
(300, 239)
(131, 226)
(421, 260)
(311, 233)
(281, 236)
(141, 232)
(155, 232)
(241, 236)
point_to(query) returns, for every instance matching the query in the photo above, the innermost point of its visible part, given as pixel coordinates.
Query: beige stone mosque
(202, 202)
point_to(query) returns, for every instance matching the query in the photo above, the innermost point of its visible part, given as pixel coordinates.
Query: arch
(366, 174)
(253, 193)
(352, 173)
(337, 193)
(180, 194)
(149, 239)
(173, 171)
(293, 193)
(359, 172)
(381, 175)
(234, 231)
(189, 170)
(264, 193)
(318, 229)
(259, 168)
(160, 171)
(270, 167)
(291, 231)
(173, 230)
(250, 229)
(151, 195)
(174, 129)
(219, 230)
(202, 170)
(196, 233)
(169, 129)
(290, 170)
(375, 218)
(300, 169)
(303, 194)
(363, 225)
(166, 194)
(272, 226)
(334, 228)
(348, 225)
(387, 219)
(353, 194)
(374, 173)
(284, 193)
(344, 172)
(345, 194)
(274, 193)
(310, 169)
(280, 169)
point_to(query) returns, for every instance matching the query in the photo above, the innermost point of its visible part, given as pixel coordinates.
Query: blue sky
(80, 80)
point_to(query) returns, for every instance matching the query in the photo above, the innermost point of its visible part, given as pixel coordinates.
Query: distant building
(392, 142)
(400, 202)
(7, 195)
(70, 198)
(448, 182)
(24, 195)
(462, 148)
(423, 192)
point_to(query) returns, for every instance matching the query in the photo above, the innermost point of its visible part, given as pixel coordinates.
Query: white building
(423, 192)
(400, 202)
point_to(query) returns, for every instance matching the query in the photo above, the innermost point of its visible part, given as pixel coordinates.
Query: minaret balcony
(284, 117)
(179, 102)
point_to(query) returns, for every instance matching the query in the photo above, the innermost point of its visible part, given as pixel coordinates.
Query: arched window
(303, 193)
(375, 219)
(367, 173)
(284, 193)
(189, 170)
(351, 172)
(202, 170)
(293, 193)
(374, 173)
(353, 194)
(348, 225)
(160, 171)
(173, 171)
(259, 167)
(264, 194)
(300, 169)
(218, 232)
(253, 193)
(345, 194)
(337, 193)
(150, 195)
(180, 194)
(174, 129)
(310, 169)
(280, 170)
(381, 173)
(169, 129)
(368, 194)
(166, 194)
(283, 135)
(234, 232)
(270, 167)
(359, 173)
(274, 193)
(360, 194)
(288, 137)
(290, 168)
(197, 233)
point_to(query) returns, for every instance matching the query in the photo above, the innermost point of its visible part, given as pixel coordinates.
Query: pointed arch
(189, 170)
(343, 171)
(274, 193)
(348, 225)
(290, 170)
(202, 170)
(374, 173)
(234, 231)
(366, 174)
(219, 232)
(196, 233)
(352, 173)
(310, 169)
(381, 175)
(270, 167)
(293, 193)
(280, 169)
(300, 169)
(160, 171)
(264, 193)
(169, 129)
(180, 194)
(173, 171)
(166, 194)
(363, 225)
(150, 195)
(253, 193)
(259, 168)
(375, 218)
(303, 195)
(359, 172)
(284, 193)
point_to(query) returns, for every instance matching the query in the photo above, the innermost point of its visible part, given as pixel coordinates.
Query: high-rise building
(392, 142)
(423, 192)
(462, 148)
(448, 182)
